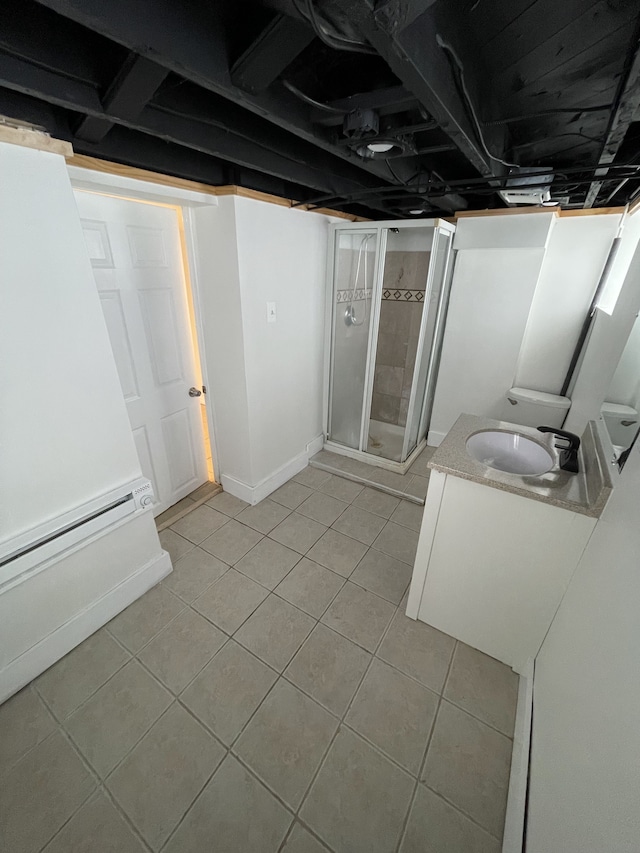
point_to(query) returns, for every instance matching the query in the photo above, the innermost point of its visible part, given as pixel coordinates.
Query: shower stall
(387, 299)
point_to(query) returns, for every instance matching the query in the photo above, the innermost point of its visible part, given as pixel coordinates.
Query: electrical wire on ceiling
(445, 46)
(395, 176)
(327, 108)
(570, 178)
(327, 34)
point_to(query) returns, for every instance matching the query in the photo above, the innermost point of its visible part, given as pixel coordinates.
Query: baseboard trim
(514, 825)
(257, 493)
(315, 446)
(27, 666)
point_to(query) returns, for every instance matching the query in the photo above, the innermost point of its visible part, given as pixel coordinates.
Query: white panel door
(136, 256)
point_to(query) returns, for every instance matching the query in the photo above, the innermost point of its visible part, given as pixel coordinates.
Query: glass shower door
(405, 268)
(428, 354)
(353, 319)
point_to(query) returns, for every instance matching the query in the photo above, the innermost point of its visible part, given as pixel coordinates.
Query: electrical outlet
(271, 312)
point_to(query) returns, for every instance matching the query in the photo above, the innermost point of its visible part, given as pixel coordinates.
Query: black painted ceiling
(285, 96)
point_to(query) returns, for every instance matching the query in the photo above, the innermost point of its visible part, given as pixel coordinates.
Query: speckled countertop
(585, 492)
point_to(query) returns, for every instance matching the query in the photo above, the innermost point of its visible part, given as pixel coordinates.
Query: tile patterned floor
(270, 695)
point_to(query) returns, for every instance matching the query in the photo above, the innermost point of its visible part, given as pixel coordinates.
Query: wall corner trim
(514, 826)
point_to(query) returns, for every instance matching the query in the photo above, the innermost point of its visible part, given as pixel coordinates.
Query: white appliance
(536, 408)
(24, 555)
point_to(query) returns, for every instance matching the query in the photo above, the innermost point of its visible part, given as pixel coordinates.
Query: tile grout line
(437, 793)
(98, 786)
(107, 790)
(423, 761)
(465, 814)
(476, 718)
(342, 718)
(465, 710)
(6, 769)
(60, 720)
(280, 675)
(191, 804)
(208, 779)
(88, 769)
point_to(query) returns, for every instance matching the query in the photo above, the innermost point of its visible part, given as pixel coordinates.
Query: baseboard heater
(24, 555)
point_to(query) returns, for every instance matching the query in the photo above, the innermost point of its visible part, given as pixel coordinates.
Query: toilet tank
(536, 408)
(621, 423)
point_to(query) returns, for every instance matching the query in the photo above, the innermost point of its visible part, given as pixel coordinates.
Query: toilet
(536, 408)
(621, 423)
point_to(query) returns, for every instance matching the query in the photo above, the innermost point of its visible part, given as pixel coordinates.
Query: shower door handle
(193, 392)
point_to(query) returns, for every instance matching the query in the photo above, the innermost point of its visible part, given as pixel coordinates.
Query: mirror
(621, 409)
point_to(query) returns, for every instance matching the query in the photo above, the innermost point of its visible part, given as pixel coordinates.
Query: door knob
(193, 392)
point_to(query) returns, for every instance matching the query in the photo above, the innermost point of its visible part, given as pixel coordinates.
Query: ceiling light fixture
(380, 147)
(383, 147)
(417, 211)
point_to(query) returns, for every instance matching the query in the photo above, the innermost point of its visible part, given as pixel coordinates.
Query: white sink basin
(510, 452)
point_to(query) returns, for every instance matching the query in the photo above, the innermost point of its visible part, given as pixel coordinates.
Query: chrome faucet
(569, 451)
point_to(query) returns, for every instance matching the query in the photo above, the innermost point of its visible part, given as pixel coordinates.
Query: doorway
(388, 295)
(137, 251)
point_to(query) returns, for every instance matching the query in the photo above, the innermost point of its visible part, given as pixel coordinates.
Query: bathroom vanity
(496, 549)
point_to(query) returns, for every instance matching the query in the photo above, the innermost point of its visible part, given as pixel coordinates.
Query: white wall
(585, 788)
(576, 254)
(515, 317)
(605, 346)
(628, 244)
(625, 384)
(282, 258)
(496, 270)
(65, 437)
(266, 378)
(63, 424)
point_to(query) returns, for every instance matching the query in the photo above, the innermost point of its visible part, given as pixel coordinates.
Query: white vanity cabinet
(492, 566)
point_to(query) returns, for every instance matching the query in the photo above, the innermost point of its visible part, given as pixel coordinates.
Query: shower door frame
(381, 229)
(436, 343)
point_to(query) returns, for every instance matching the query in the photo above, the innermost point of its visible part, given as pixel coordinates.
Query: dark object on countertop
(568, 452)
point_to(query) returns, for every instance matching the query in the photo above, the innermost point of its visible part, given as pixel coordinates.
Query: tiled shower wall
(405, 277)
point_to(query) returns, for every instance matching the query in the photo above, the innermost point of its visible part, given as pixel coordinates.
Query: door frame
(146, 192)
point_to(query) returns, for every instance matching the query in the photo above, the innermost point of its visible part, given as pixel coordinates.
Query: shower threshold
(383, 441)
(410, 486)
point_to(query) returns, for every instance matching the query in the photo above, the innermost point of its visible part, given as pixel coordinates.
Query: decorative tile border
(399, 295)
(348, 295)
(388, 295)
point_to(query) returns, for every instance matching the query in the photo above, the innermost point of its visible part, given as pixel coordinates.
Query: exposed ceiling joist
(229, 137)
(191, 42)
(416, 57)
(132, 89)
(267, 57)
(126, 145)
(396, 15)
(622, 116)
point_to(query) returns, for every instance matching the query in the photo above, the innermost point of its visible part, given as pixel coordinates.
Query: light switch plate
(271, 312)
